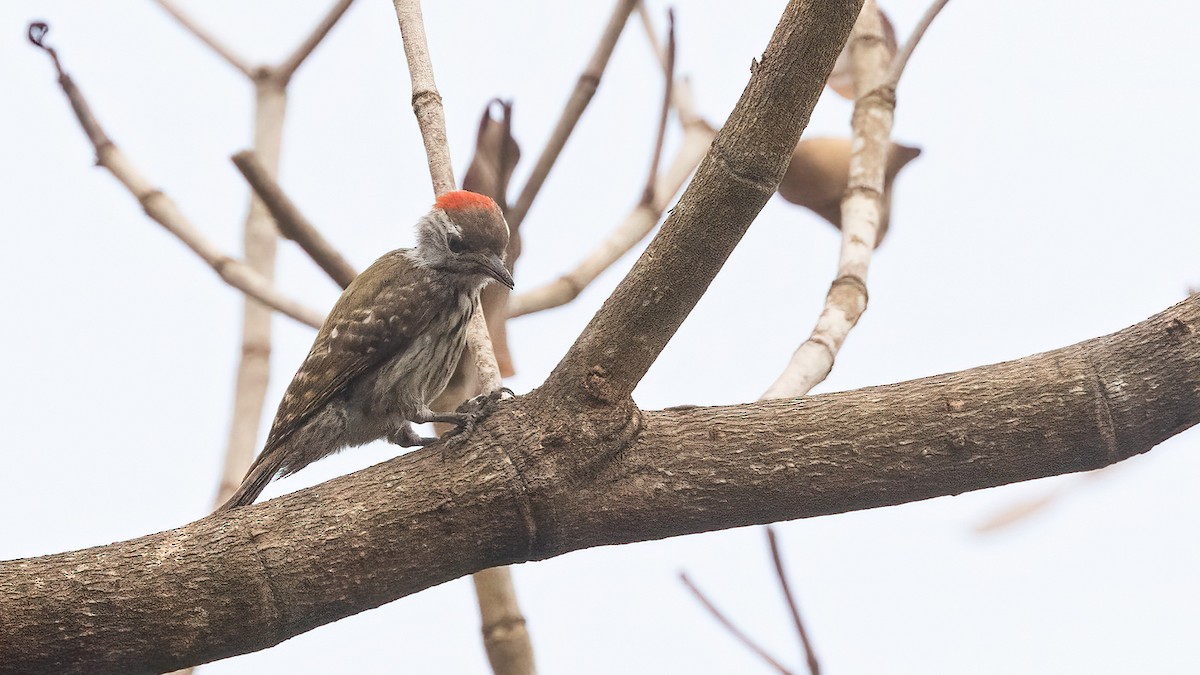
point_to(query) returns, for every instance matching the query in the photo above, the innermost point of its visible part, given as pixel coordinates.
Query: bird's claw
(475, 406)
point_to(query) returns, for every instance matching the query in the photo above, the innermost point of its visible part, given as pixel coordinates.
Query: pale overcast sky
(1054, 202)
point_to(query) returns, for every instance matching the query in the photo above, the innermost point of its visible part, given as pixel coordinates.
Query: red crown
(464, 199)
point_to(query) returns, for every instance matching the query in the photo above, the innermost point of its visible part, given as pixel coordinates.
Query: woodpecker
(390, 344)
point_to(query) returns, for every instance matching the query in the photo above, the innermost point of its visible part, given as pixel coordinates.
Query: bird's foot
(405, 437)
(468, 414)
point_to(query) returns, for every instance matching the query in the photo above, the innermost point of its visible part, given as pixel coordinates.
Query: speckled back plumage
(389, 345)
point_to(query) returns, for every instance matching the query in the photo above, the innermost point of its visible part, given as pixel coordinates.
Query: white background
(1054, 202)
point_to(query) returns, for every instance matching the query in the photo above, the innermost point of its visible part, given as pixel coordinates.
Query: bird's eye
(455, 243)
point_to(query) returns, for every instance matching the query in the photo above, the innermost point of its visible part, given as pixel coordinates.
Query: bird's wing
(395, 304)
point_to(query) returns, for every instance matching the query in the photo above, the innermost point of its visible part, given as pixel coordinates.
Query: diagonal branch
(165, 212)
(810, 656)
(207, 38)
(660, 189)
(737, 177)
(697, 137)
(901, 60)
(291, 222)
(664, 110)
(736, 632)
(426, 101)
(862, 211)
(243, 581)
(510, 651)
(288, 68)
(585, 88)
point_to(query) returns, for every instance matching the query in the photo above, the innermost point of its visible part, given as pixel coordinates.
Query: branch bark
(514, 491)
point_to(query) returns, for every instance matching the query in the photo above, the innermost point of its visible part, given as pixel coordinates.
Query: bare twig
(901, 60)
(733, 630)
(426, 101)
(862, 211)
(207, 38)
(260, 242)
(288, 68)
(165, 212)
(809, 655)
(669, 79)
(291, 222)
(697, 137)
(681, 96)
(509, 652)
(585, 88)
(637, 224)
(1015, 513)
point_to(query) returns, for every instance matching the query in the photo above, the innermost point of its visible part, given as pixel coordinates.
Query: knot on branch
(882, 96)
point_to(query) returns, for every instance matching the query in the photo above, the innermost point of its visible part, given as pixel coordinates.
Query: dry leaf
(496, 155)
(817, 176)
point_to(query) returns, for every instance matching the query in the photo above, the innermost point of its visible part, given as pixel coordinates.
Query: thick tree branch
(741, 171)
(291, 222)
(165, 212)
(585, 88)
(242, 581)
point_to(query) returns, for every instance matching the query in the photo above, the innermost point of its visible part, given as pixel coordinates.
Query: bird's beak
(494, 267)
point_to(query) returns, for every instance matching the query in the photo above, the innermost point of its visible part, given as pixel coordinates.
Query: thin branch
(901, 60)
(669, 79)
(697, 137)
(729, 626)
(681, 96)
(862, 212)
(426, 101)
(288, 68)
(809, 655)
(207, 38)
(510, 653)
(585, 88)
(291, 222)
(505, 635)
(739, 174)
(634, 228)
(165, 212)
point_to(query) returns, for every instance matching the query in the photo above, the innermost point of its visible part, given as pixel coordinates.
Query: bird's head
(466, 234)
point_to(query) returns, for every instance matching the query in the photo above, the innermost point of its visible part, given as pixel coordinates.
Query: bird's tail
(264, 468)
